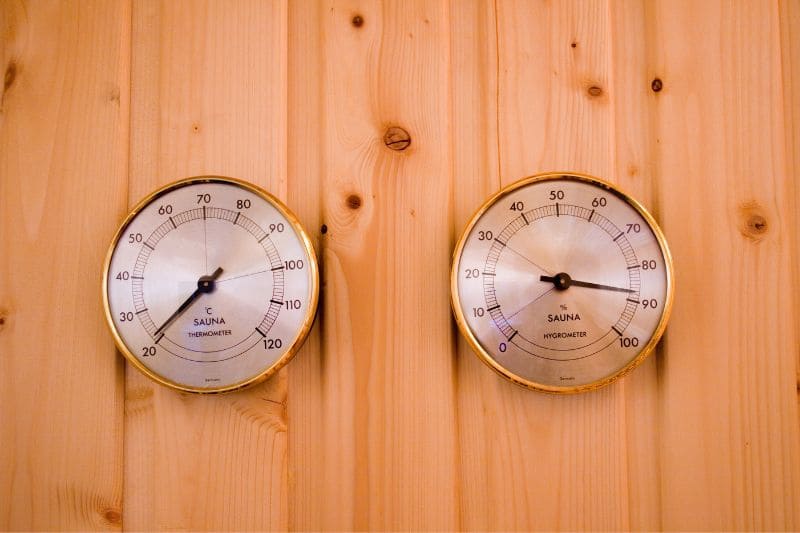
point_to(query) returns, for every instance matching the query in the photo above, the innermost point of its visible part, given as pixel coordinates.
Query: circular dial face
(210, 285)
(562, 283)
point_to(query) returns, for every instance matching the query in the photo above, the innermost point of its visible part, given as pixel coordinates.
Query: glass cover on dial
(562, 283)
(210, 285)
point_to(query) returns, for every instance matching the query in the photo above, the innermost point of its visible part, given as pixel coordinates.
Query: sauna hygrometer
(562, 283)
(210, 284)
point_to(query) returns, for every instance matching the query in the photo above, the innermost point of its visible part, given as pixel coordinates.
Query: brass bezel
(308, 320)
(485, 356)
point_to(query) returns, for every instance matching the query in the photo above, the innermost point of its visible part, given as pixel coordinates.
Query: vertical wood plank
(311, 508)
(790, 70)
(729, 433)
(208, 97)
(387, 434)
(542, 87)
(63, 157)
(473, 43)
(633, 99)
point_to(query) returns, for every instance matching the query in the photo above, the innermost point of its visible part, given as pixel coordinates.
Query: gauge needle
(204, 285)
(563, 281)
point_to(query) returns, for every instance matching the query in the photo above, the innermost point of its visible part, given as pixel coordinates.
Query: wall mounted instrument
(210, 285)
(562, 283)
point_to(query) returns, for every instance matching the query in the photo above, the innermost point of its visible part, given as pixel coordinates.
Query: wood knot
(113, 95)
(357, 21)
(196, 127)
(396, 138)
(657, 85)
(757, 224)
(10, 76)
(3, 314)
(595, 91)
(323, 229)
(754, 224)
(353, 201)
(574, 44)
(112, 516)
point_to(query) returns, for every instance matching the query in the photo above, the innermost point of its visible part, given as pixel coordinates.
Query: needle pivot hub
(562, 281)
(206, 284)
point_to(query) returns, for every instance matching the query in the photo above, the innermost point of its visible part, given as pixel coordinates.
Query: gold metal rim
(308, 321)
(485, 356)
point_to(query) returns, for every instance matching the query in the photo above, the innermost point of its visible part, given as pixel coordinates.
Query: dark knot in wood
(753, 219)
(757, 224)
(112, 516)
(10, 75)
(595, 91)
(657, 85)
(396, 138)
(353, 201)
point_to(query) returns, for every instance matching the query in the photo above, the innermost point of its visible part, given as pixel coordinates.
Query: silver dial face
(562, 283)
(210, 285)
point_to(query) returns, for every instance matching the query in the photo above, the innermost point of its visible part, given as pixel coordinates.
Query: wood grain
(386, 420)
(634, 92)
(525, 460)
(310, 484)
(208, 97)
(790, 57)
(385, 443)
(63, 145)
(729, 442)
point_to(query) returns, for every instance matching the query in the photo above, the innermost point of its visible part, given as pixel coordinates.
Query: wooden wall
(385, 420)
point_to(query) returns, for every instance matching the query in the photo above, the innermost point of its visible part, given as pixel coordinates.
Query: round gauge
(210, 285)
(562, 283)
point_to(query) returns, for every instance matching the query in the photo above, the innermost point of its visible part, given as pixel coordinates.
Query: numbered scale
(210, 285)
(562, 283)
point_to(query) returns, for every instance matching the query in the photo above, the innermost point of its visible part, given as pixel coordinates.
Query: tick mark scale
(169, 312)
(563, 283)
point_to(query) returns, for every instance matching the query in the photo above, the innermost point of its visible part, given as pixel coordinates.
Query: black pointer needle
(204, 284)
(562, 281)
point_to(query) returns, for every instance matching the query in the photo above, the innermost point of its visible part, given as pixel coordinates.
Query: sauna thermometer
(562, 283)
(210, 285)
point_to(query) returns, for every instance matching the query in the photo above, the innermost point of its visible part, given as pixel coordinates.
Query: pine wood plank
(473, 45)
(730, 458)
(633, 97)
(63, 158)
(316, 501)
(386, 453)
(790, 69)
(554, 83)
(208, 97)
